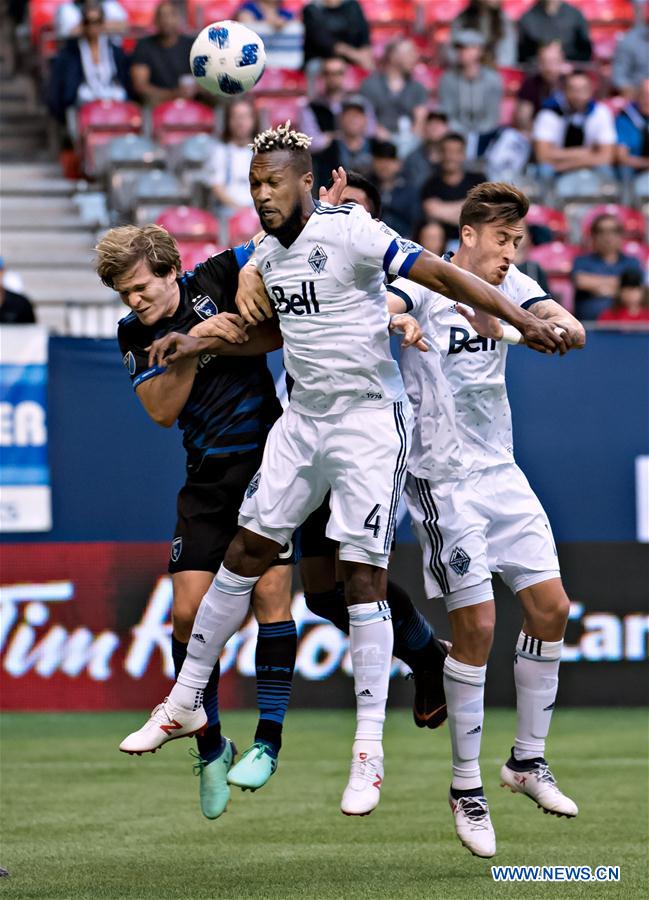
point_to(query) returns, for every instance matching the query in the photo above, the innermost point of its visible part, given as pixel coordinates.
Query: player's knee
(473, 628)
(249, 553)
(364, 584)
(271, 606)
(183, 614)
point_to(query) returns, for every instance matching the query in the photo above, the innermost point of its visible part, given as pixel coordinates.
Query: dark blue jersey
(232, 403)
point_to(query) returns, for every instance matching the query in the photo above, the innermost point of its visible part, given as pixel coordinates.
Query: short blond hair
(122, 248)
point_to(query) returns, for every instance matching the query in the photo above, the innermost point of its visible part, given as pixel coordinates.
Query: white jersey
(436, 453)
(328, 292)
(475, 368)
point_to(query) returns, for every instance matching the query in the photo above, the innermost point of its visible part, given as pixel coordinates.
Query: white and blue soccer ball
(227, 58)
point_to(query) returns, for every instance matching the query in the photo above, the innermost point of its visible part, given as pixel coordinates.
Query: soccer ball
(227, 58)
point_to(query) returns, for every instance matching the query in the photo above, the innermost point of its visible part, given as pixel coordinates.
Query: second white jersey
(475, 368)
(328, 292)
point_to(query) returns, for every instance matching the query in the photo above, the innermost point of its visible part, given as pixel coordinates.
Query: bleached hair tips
(280, 138)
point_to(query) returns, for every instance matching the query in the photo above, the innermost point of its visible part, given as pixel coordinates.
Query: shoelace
(476, 810)
(160, 713)
(364, 769)
(543, 773)
(200, 763)
(259, 747)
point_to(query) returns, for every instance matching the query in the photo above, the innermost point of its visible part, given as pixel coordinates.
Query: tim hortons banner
(25, 496)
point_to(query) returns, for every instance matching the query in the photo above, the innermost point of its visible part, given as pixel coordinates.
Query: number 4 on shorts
(373, 521)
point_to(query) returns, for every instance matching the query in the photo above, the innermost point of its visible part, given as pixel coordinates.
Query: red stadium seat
(390, 12)
(192, 252)
(507, 108)
(638, 249)
(429, 76)
(604, 47)
(443, 13)
(550, 218)
(556, 257)
(619, 11)
(632, 220)
(176, 120)
(281, 81)
(115, 116)
(188, 223)
(277, 110)
(141, 13)
(242, 226)
(563, 290)
(512, 79)
(41, 16)
(202, 12)
(516, 8)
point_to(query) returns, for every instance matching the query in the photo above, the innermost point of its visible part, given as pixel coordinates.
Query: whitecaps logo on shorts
(251, 490)
(459, 561)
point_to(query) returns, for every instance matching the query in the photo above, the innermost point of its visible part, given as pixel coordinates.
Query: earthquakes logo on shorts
(251, 490)
(129, 362)
(459, 561)
(317, 259)
(205, 307)
(176, 549)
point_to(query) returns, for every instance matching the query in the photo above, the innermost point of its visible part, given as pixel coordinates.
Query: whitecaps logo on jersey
(205, 307)
(129, 363)
(317, 259)
(407, 246)
(459, 561)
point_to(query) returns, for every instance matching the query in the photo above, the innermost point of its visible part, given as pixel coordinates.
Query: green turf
(80, 820)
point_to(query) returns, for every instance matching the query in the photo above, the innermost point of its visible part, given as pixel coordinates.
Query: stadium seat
(176, 120)
(116, 116)
(141, 13)
(242, 226)
(618, 11)
(429, 76)
(584, 184)
(641, 189)
(639, 249)
(516, 8)
(41, 17)
(202, 12)
(556, 258)
(562, 289)
(390, 12)
(277, 110)
(632, 220)
(153, 192)
(512, 79)
(442, 13)
(126, 158)
(193, 252)
(281, 81)
(507, 109)
(187, 223)
(549, 218)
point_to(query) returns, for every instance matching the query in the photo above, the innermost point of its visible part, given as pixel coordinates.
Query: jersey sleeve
(218, 276)
(372, 244)
(523, 290)
(134, 356)
(415, 296)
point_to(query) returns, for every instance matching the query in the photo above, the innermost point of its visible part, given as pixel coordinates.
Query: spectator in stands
(337, 28)
(528, 266)
(431, 235)
(398, 100)
(470, 94)
(15, 309)
(68, 18)
(597, 275)
(419, 165)
(443, 195)
(227, 170)
(352, 147)
(544, 82)
(509, 152)
(631, 60)
(631, 302)
(574, 131)
(554, 20)
(399, 200)
(281, 32)
(87, 68)
(633, 134)
(319, 117)
(497, 29)
(160, 63)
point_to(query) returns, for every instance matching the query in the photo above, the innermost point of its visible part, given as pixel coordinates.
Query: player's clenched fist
(252, 300)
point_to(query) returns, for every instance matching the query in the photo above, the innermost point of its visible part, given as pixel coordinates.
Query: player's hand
(252, 300)
(334, 194)
(413, 335)
(543, 336)
(485, 325)
(228, 326)
(172, 347)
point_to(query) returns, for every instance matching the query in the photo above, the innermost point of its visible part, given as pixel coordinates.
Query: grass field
(80, 820)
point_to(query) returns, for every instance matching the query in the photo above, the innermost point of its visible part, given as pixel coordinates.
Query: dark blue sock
(274, 663)
(414, 638)
(210, 744)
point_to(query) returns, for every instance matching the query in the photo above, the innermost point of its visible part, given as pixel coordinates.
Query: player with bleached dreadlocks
(347, 431)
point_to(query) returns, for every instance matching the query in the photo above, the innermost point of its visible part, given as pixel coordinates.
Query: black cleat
(429, 707)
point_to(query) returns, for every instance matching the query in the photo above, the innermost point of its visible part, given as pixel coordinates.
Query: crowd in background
(424, 147)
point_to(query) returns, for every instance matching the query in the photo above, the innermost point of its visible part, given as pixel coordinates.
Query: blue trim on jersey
(248, 405)
(390, 253)
(128, 318)
(149, 373)
(399, 293)
(534, 300)
(409, 262)
(332, 212)
(243, 252)
(241, 428)
(240, 448)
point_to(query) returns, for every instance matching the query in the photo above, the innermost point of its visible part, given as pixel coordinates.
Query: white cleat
(167, 723)
(534, 779)
(363, 790)
(473, 825)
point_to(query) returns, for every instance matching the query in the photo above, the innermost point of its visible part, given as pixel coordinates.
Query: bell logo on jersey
(317, 259)
(460, 339)
(304, 304)
(459, 561)
(205, 307)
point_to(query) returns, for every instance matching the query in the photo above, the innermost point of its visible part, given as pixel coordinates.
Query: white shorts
(360, 456)
(491, 521)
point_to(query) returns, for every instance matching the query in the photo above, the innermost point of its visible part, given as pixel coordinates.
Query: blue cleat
(214, 790)
(254, 768)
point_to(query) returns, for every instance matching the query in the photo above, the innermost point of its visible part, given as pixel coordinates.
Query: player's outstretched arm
(551, 311)
(458, 284)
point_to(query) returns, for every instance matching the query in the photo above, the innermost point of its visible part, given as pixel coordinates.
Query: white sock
(536, 673)
(370, 639)
(222, 610)
(464, 688)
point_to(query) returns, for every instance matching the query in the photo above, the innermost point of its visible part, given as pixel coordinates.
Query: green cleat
(214, 790)
(254, 768)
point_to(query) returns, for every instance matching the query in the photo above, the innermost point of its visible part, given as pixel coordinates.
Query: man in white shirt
(574, 131)
(346, 430)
